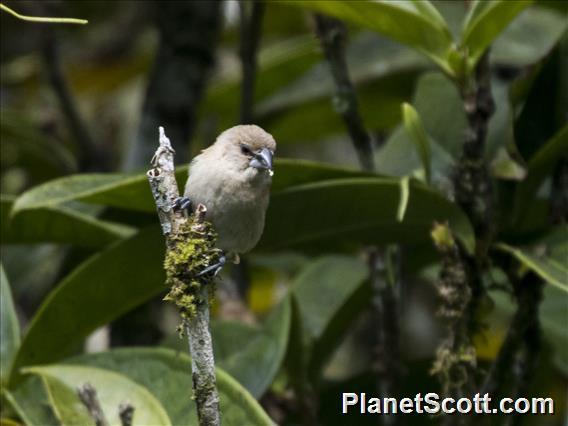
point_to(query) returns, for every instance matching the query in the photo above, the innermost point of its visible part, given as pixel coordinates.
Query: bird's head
(249, 149)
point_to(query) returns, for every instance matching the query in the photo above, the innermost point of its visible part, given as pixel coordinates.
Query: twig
(126, 414)
(88, 396)
(90, 156)
(178, 230)
(514, 367)
(251, 27)
(332, 35)
(188, 35)
(43, 19)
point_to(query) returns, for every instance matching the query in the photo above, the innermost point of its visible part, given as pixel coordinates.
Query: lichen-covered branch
(455, 360)
(190, 245)
(459, 284)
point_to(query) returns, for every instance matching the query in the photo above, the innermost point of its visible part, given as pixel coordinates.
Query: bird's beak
(262, 159)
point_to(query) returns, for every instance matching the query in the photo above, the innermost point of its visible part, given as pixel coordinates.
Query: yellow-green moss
(190, 251)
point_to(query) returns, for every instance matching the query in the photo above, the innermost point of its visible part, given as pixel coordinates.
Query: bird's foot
(181, 203)
(215, 268)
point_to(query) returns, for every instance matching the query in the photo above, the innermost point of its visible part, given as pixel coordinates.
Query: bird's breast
(236, 210)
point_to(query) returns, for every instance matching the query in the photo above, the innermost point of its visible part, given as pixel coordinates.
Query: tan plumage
(232, 179)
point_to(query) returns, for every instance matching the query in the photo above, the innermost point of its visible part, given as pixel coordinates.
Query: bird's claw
(216, 267)
(181, 203)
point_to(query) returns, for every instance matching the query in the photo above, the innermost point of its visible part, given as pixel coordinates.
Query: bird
(232, 179)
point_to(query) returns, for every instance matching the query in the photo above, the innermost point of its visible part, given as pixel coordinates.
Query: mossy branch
(190, 246)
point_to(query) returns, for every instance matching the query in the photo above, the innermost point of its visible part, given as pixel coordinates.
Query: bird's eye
(246, 150)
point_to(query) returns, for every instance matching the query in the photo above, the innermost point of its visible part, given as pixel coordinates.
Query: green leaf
(167, 374)
(370, 58)
(278, 64)
(323, 287)
(9, 328)
(61, 382)
(406, 22)
(315, 119)
(529, 38)
(31, 402)
(543, 108)
(383, 71)
(328, 298)
(250, 354)
(398, 157)
(289, 173)
(404, 194)
(418, 134)
(540, 166)
(485, 21)
(546, 257)
(255, 358)
(440, 107)
(101, 289)
(128, 191)
(25, 145)
(343, 213)
(57, 224)
(132, 192)
(66, 405)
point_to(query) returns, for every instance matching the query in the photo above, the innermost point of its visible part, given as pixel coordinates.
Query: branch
(459, 283)
(88, 396)
(455, 357)
(251, 27)
(332, 35)
(188, 32)
(90, 158)
(190, 245)
(514, 368)
(472, 185)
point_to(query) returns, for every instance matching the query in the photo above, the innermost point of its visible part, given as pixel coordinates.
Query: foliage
(411, 63)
